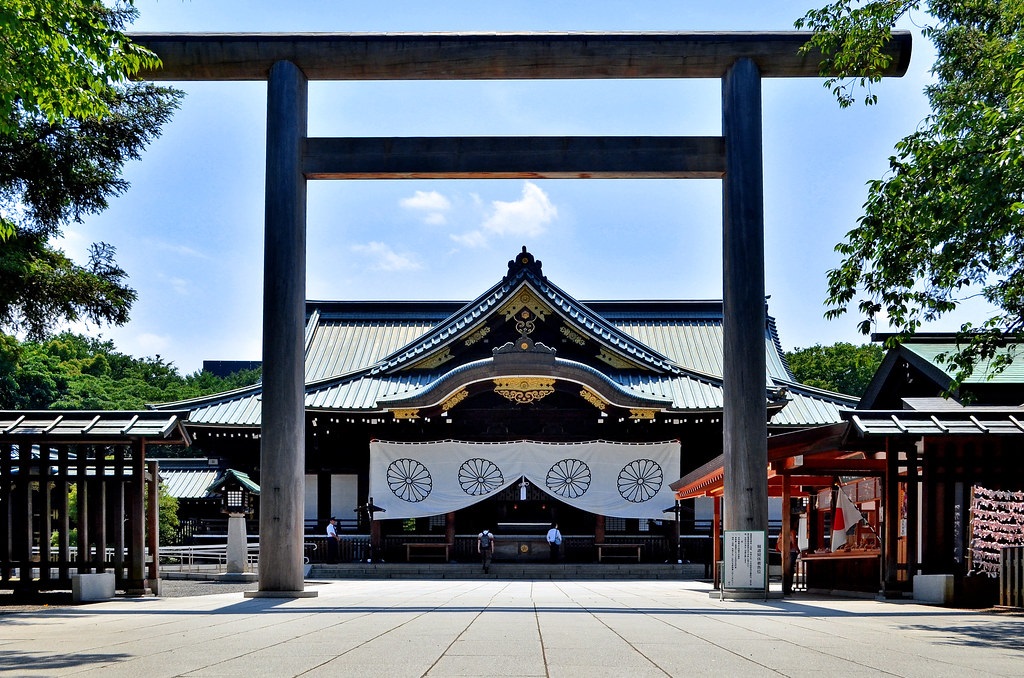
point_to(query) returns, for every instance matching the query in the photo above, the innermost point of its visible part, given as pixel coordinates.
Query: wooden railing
(1011, 576)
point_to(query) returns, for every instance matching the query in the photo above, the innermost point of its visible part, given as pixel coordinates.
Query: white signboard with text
(745, 561)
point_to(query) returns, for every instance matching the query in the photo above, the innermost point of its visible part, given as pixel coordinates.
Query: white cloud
(180, 285)
(472, 239)
(183, 250)
(382, 258)
(150, 344)
(528, 216)
(431, 202)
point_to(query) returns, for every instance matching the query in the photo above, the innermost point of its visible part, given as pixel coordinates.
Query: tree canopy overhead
(70, 118)
(946, 223)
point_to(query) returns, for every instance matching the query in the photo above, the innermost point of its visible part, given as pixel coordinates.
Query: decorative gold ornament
(524, 390)
(454, 400)
(433, 361)
(593, 398)
(413, 413)
(642, 414)
(617, 361)
(572, 335)
(525, 299)
(478, 335)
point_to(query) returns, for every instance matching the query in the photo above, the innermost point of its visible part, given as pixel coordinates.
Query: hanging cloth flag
(847, 515)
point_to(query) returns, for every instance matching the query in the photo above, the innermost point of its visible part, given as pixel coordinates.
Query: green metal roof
(241, 478)
(983, 374)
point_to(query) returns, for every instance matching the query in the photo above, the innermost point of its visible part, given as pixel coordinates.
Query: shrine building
(522, 407)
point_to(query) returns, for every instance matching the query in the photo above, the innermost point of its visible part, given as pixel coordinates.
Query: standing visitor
(791, 548)
(333, 541)
(485, 547)
(554, 541)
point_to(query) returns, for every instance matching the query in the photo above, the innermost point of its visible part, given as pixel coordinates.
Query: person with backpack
(554, 541)
(485, 547)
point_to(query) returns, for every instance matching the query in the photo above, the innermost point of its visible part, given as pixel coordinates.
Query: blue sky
(190, 230)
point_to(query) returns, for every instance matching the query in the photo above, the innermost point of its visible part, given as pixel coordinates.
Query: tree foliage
(69, 371)
(946, 223)
(841, 367)
(70, 118)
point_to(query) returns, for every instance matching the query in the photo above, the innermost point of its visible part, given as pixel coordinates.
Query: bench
(633, 551)
(433, 550)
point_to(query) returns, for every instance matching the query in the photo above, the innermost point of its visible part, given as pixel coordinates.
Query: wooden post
(98, 513)
(282, 453)
(745, 416)
(82, 485)
(449, 528)
(716, 538)
(890, 494)
(787, 525)
(136, 583)
(153, 520)
(912, 513)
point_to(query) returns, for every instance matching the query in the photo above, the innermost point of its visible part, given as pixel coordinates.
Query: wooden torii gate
(288, 61)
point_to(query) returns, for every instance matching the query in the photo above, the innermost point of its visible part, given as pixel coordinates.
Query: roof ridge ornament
(524, 260)
(524, 345)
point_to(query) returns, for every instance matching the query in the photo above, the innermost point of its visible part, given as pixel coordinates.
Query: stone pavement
(508, 628)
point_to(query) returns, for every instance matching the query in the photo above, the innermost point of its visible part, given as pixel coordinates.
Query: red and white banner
(847, 516)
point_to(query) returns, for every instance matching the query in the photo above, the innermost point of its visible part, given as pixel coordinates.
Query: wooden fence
(1011, 576)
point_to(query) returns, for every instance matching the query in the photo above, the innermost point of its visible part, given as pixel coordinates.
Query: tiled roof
(361, 355)
(92, 425)
(187, 483)
(915, 423)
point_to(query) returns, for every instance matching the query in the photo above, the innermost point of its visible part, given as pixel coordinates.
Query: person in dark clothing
(485, 547)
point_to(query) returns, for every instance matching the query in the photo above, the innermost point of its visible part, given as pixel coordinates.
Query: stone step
(687, 571)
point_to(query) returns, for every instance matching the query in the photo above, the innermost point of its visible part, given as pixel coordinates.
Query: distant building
(225, 368)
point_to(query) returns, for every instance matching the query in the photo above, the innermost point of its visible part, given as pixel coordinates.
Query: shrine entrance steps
(515, 571)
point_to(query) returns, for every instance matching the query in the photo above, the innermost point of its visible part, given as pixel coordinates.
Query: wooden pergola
(289, 61)
(101, 455)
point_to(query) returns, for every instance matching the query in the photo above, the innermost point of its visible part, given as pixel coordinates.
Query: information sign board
(745, 560)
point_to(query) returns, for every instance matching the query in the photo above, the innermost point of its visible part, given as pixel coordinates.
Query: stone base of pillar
(280, 594)
(744, 595)
(238, 577)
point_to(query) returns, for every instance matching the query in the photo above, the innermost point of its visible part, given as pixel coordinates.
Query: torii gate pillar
(283, 439)
(745, 412)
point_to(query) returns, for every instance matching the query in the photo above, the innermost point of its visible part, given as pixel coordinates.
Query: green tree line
(841, 367)
(71, 371)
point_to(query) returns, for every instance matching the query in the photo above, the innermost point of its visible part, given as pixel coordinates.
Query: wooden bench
(433, 550)
(633, 551)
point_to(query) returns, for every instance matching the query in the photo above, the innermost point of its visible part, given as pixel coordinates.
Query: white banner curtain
(623, 480)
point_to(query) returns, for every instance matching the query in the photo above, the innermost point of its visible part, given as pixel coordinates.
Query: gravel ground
(169, 588)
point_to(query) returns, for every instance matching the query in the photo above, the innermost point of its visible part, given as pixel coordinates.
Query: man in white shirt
(554, 541)
(333, 541)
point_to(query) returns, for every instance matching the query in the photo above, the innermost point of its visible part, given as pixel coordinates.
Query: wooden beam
(515, 158)
(835, 466)
(489, 56)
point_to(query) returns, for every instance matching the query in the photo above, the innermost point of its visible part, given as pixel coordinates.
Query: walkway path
(513, 628)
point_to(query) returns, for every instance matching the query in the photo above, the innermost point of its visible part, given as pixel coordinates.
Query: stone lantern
(236, 490)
